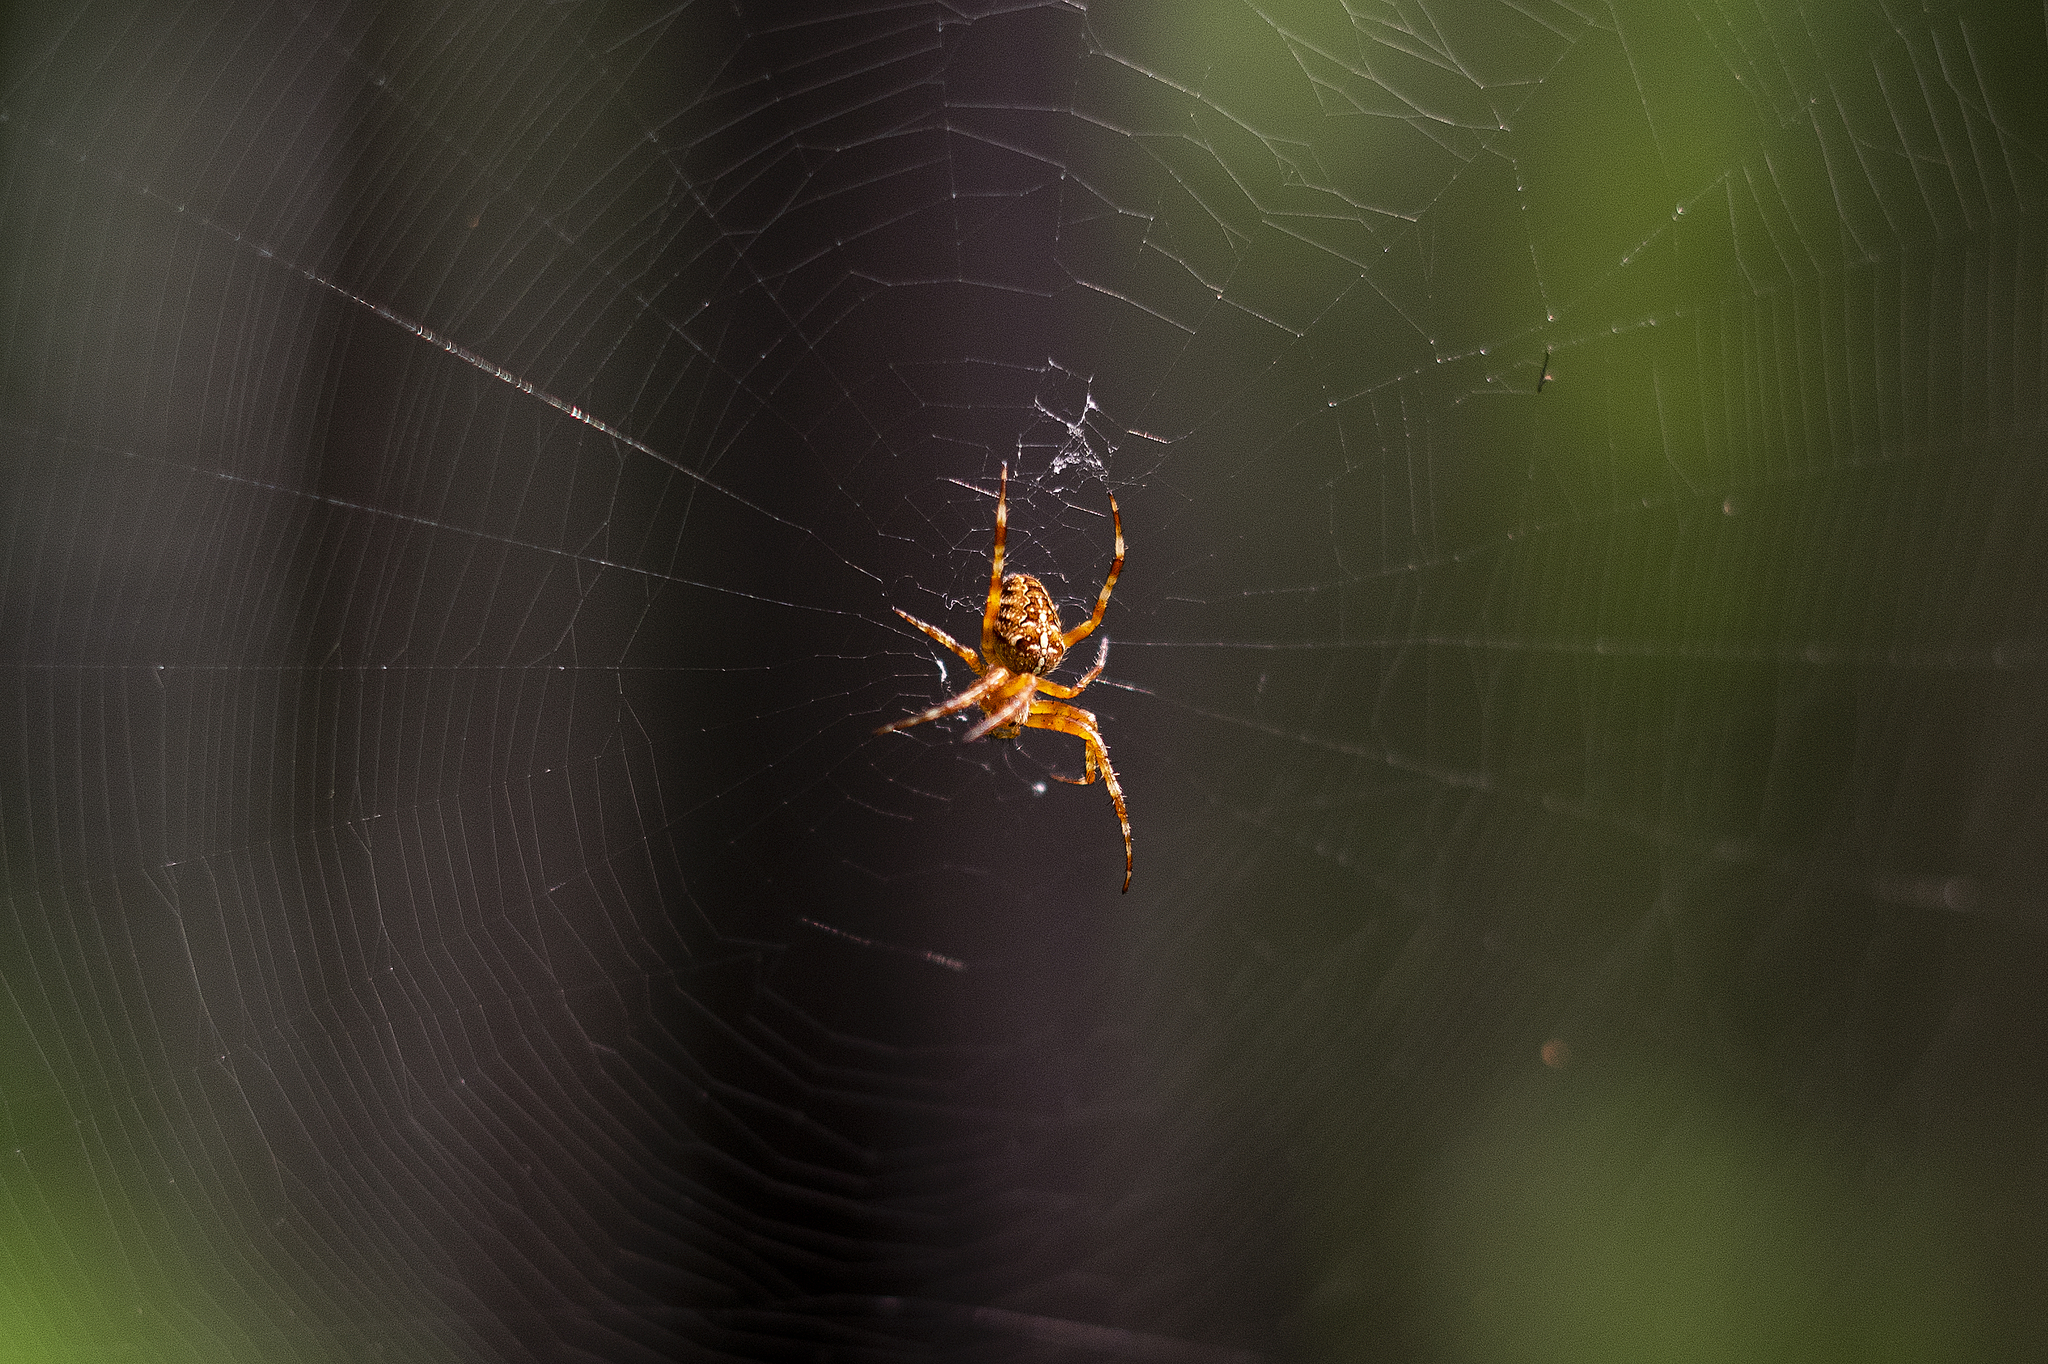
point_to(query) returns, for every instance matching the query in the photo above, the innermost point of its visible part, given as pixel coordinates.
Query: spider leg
(1003, 709)
(995, 567)
(1116, 566)
(1088, 770)
(1088, 773)
(1052, 688)
(1079, 723)
(973, 661)
(971, 697)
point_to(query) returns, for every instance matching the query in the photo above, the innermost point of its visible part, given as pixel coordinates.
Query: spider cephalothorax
(1021, 641)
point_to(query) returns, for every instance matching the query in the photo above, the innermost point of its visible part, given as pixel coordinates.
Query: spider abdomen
(1028, 627)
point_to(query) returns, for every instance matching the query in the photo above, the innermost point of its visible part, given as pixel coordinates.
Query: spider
(1022, 641)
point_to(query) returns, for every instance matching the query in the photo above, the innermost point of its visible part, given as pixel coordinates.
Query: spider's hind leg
(995, 567)
(1116, 566)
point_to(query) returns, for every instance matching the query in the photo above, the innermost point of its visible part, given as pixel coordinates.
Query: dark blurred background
(1580, 682)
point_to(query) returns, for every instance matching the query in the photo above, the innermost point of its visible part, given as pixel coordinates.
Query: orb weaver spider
(1021, 641)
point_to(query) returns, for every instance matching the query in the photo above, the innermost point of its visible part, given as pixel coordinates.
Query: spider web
(1578, 680)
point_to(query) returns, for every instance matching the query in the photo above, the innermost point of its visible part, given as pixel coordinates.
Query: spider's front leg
(1057, 715)
(1089, 771)
(1006, 705)
(973, 696)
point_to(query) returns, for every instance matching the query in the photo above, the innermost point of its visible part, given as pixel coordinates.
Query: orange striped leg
(942, 637)
(1116, 566)
(1052, 688)
(995, 566)
(1088, 769)
(1005, 705)
(952, 704)
(1081, 724)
